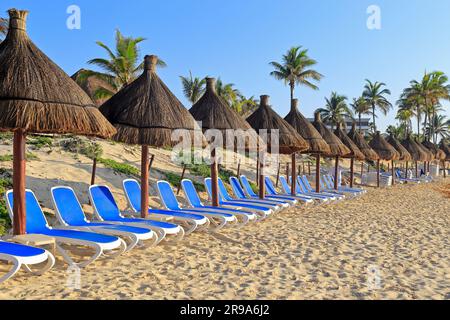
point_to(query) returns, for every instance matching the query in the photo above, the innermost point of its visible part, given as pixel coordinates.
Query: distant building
(365, 127)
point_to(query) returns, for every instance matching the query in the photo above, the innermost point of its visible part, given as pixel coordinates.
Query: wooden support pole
(303, 164)
(278, 174)
(150, 164)
(19, 182)
(294, 176)
(94, 169)
(239, 168)
(393, 173)
(336, 173)
(287, 172)
(181, 178)
(309, 167)
(406, 170)
(262, 189)
(257, 169)
(378, 173)
(144, 181)
(352, 173)
(362, 168)
(214, 179)
(389, 167)
(417, 171)
(318, 173)
(445, 169)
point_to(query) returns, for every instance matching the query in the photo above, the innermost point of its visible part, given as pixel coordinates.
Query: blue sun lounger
(190, 221)
(323, 188)
(329, 182)
(271, 190)
(195, 202)
(169, 200)
(226, 201)
(299, 192)
(70, 214)
(399, 177)
(36, 223)
(106, 209)
(306, 187)
(242, 195)
(19, 254)
(249, 191)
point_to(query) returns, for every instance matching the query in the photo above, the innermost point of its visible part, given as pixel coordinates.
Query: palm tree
(3, 28)
(193, 88)
(374, 94)
(294, 69)
(120, 68)
(405, 116)
(426, 94)
(245, 106)
(227, 92)
(360, 107)
(438, 126)
(335, 110)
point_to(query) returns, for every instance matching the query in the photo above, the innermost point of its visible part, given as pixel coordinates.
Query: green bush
(118, 167)
(6, 157)
(204, 170)
(5, 184)
(175, 179)
(38, 142)
(82, 146)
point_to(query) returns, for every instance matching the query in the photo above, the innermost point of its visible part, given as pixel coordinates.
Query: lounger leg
(16, 266)
(50, 263)
(69, 260)
(180, 235)
(190, 227)
(218, 225)
(117, 252)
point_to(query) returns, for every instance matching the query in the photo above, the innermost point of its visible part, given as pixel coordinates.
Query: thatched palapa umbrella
(146, 113)
(317, 145)
(430, 156)
(404, 155)
(91, 84)
(355, 152)
(337, 148)
(446, 148)
(437, 153)
(363, 146)
(384, 150)
(36, 96)
(289, 141)
(213, 113)
(416, 152)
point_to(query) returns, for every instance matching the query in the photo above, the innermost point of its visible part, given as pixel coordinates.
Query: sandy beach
(390, 244)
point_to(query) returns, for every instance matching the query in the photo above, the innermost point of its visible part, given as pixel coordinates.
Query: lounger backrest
(328, 181)
(299, 187)
(103, 202)
(191, 193)
(68, 208)
(208, 186)
(270, 187)
(285, 185)
(223, 191)
(35, 220)
(247, 186)
(167, 196)
(237, 189)
(304, 183)
(132, 191)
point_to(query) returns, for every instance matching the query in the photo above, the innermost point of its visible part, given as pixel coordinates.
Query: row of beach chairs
(113, 232)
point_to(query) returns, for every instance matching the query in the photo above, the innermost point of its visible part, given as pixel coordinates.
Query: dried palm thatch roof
(315, 141)
(417, 153)
(91, 84)
(264, 118)
(337, 148)
(384, 150)
(362, 144)
(145, 112)
(404, 154)
(430, 154)
(36, 95)
(446, 148)
(355, 152)
(434, 149)
(214, 113)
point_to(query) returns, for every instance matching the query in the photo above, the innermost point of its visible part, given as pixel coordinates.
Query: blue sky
(236, 40)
